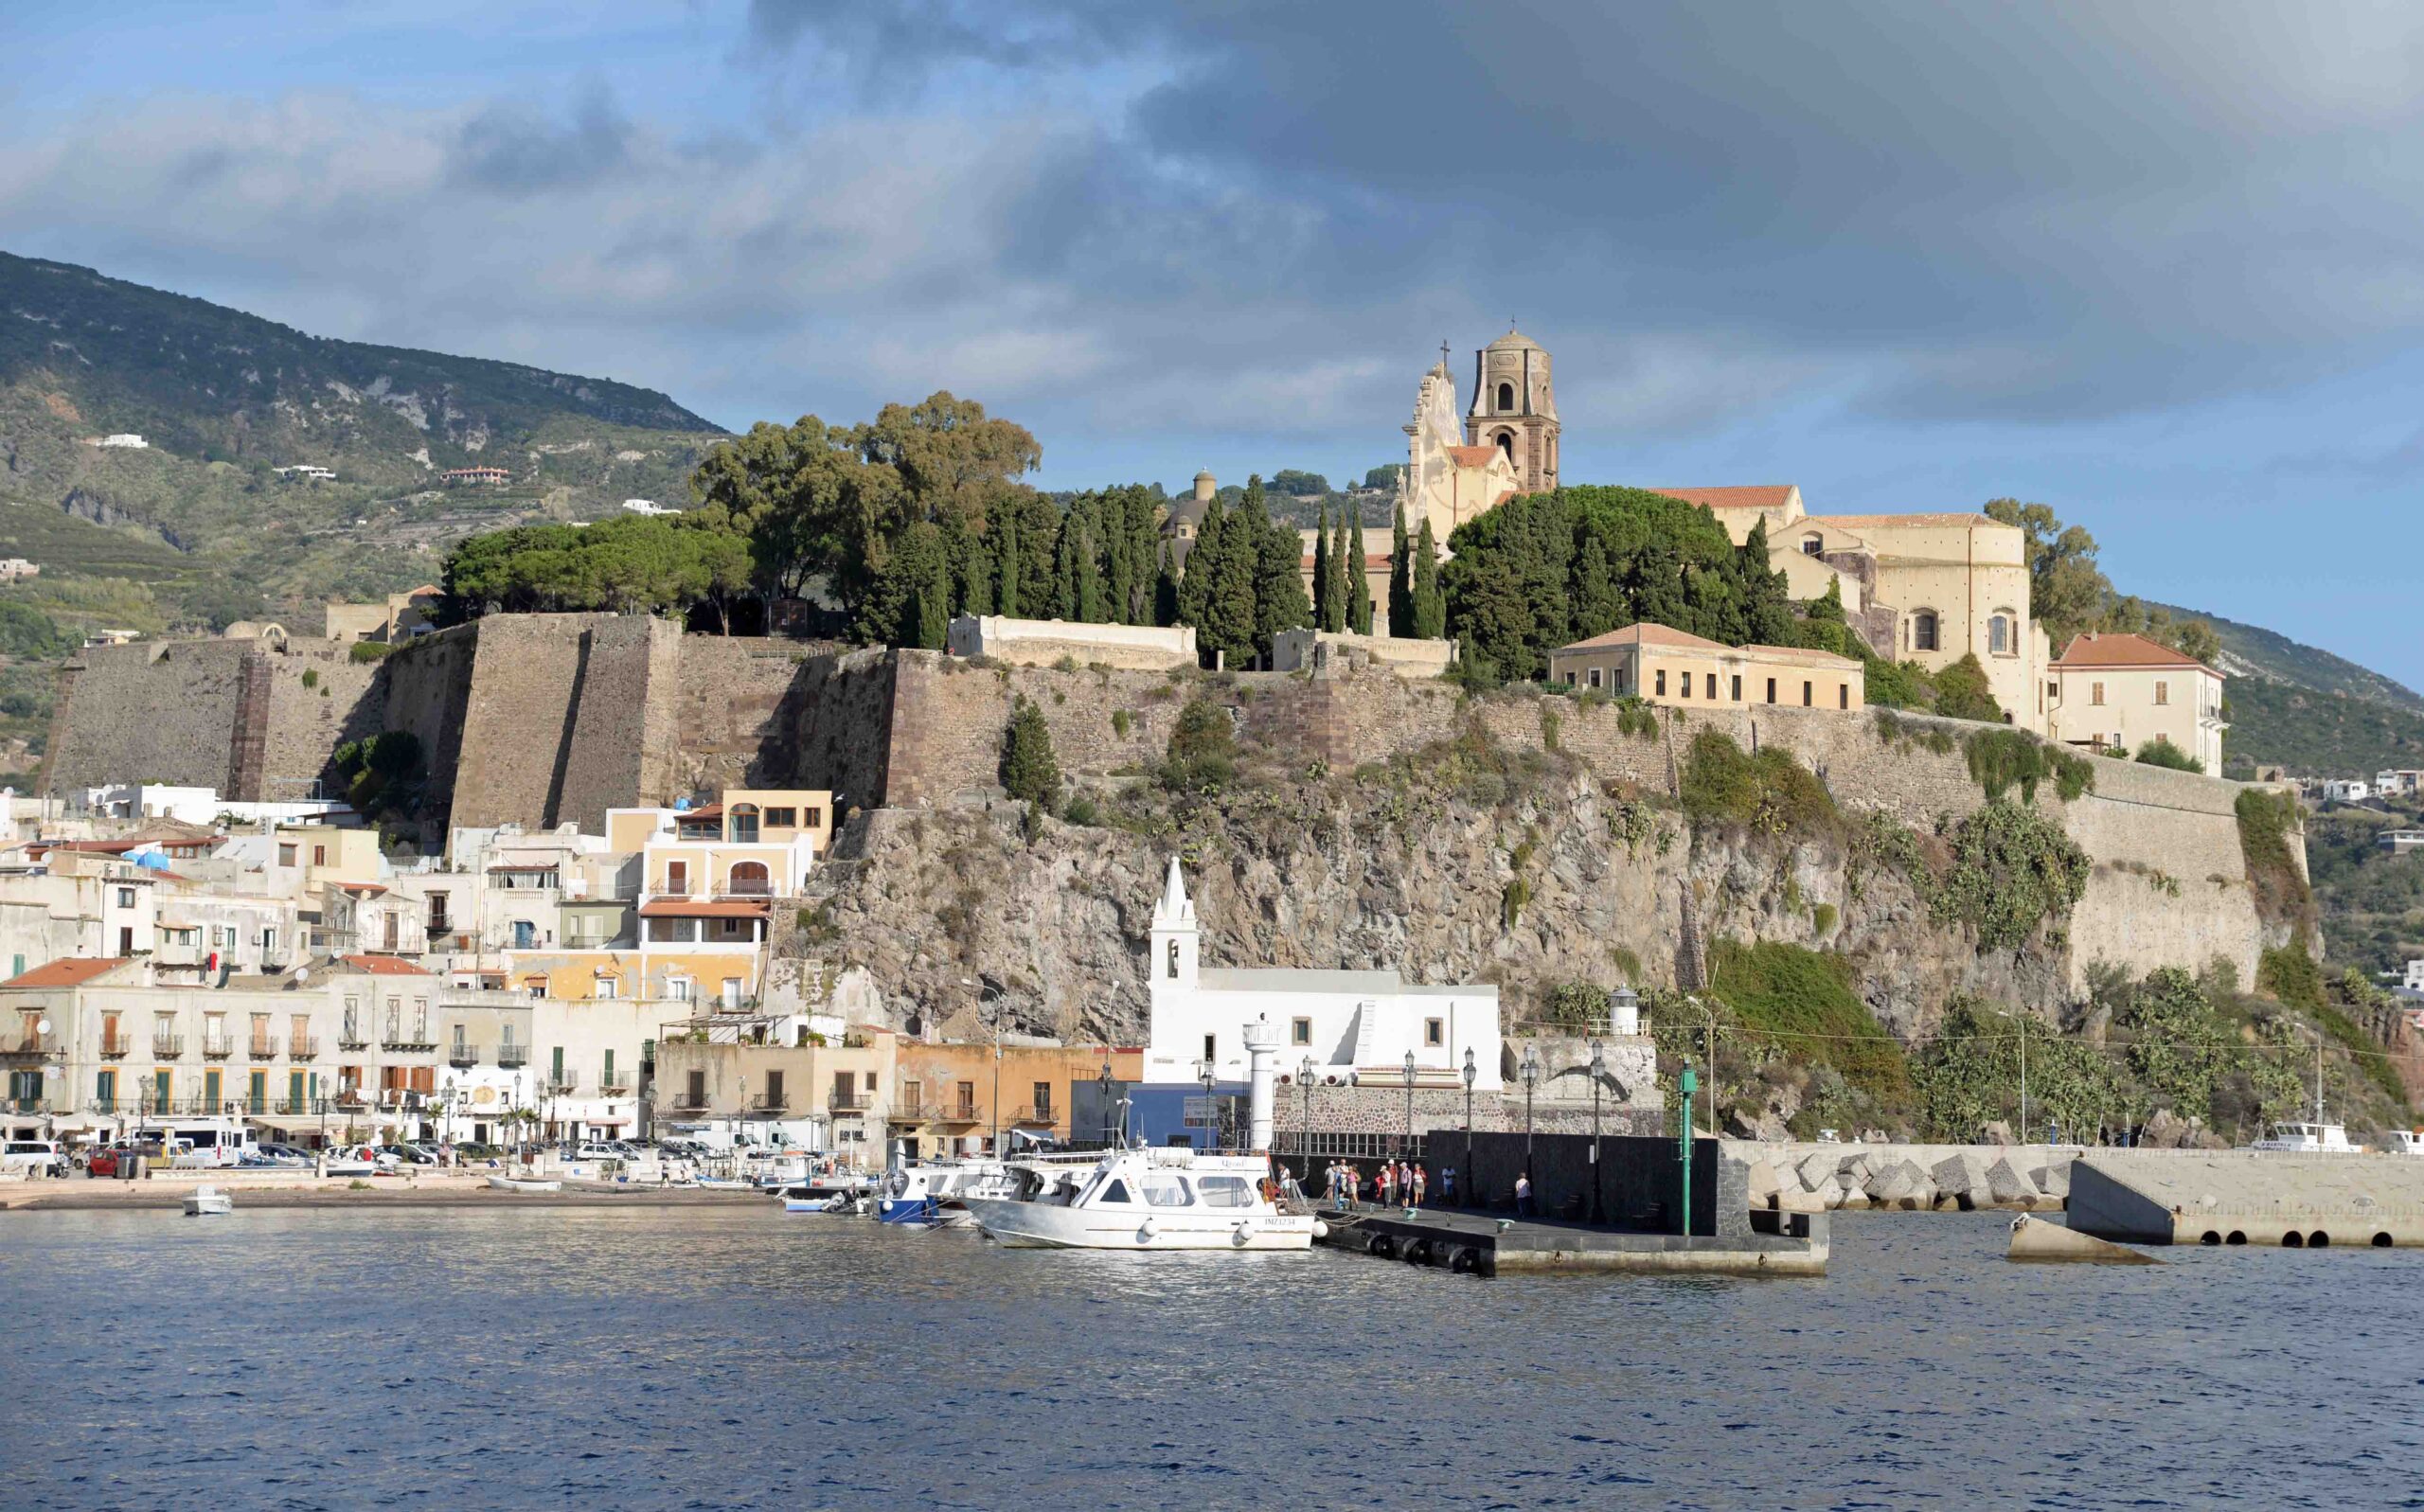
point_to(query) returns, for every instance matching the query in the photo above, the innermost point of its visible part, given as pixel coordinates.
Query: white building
(648, 507)
(2347, 789)
(2394, 781)
(124, 439)
(1355, 1027)
(203, 806)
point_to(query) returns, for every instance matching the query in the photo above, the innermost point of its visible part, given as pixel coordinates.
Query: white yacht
(2307, 1139)
(1160, 1199)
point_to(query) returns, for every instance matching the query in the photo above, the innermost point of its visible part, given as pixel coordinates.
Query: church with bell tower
(1514, 409)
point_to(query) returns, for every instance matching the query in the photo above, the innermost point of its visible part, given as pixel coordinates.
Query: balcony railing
(960, 1113)
(218, 1047)
(261, 1048)
(302, 1047)
(407, 1040)
(692, 1102)
(26, 1104)
(509, 1056)
(615, 1084)
(917, 1111)
(770, 1102)
(117, 1046)
(745, 887)
(351, 1040)
(462, 1052)
(168, 1047)
(673, 887)
(559, 1086)
(850, 1102)
(1036, 1113)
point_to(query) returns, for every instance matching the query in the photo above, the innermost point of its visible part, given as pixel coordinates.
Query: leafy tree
(1326, 598)
(1401, 578)
(1203, 755)
(1384, 476)
(1030, 772)
(2067, 590)
(27, 632)
(1962, 691)
(1430, 605)
(1358, 580)
(1298, 485)
(2160, 751)
(2197, 639)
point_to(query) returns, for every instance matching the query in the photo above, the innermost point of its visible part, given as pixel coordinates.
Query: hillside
(196, 529)
(2253, 652)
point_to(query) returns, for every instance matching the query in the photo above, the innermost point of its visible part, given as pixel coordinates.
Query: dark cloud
(519, 149)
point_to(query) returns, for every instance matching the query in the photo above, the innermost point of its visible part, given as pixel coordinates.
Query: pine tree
(1401, 580)
(1656, 587)
(1029, 770)
(1358, 581)
(1430, 606)
(1324, 563)
(1007, 562)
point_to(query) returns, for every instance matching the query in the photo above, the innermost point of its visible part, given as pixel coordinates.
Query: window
(1173, 965)
(1590, 678)
(2162, 692)
(732, 992)
(1772, 690)
(1165, 1189)
(1661, 681)
(285, 854)
(1712, 687)
(1207, 1048)
(1507, 445)
(1224, 1191)
(1042, 1103)
(1434, 1031)
(1813, 545)
(1923, 631)
(1505, 398)
(1734, 692)
(1300, 1031)
(782, 818)
(1683, 685)
(1842, 695)
(319, 855)
(1116, 1192)
(126, 897)
(1999, 636)
(774, 1083)
(2096, 693)
(811, 818)
(741, 826)
(1805, 694)
(966, 1100)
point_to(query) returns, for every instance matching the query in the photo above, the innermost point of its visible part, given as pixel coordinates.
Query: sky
(2161, 267)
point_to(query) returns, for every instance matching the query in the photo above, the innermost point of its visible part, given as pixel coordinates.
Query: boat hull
(1044, 1226)
(509, 1183)
(906, 1210)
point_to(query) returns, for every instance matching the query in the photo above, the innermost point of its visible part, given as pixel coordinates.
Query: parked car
(360, 1160)
(408, 1155)
(293, 1154)
(39, 1156)
(596, 1152)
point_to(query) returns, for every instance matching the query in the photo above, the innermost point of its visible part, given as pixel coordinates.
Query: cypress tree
(1279, 601)
(1229, 608)
(1029, 770)
(1358, 581)
(933, 602)
(1324, 565)
(1120, 564)
(1195, 589)
(1064, 567)
(976, 584)
(1401, 580)
(1164, 605)
(1429, 607)
(1088, 594)
(1007, 562)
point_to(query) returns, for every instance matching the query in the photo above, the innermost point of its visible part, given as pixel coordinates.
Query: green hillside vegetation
(2316, 734)
(2372, 901)
(2274, 656)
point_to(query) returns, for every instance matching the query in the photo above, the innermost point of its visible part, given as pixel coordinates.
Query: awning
(700, 908)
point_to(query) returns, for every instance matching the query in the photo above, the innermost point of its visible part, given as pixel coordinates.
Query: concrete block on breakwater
(2244, 1196)
(1802, 1177)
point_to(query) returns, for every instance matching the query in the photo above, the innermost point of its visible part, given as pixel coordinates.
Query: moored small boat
(517, 1183)
(207, 1201)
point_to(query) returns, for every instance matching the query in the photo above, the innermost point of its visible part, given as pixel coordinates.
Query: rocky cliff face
(978, 913)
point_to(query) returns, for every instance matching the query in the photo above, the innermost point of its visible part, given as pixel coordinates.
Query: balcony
(33, 1047)
(28, 1106)
(559, 1086)
(351, 1040)
(921, 1110)
(261, 1048)
(167, 1046)
(850, 1102)
(510, 1056)
(770, 1102)
(960, 1113)
(1042, 1116)
(218, 1047)
(117, 1046)
(303, 1047)
(745, 887)
(615, 1084)
(411, 1041)
(672, 887)
(462, 1054)
(692, 1102)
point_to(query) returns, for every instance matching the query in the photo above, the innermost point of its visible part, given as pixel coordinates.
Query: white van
(34, 1157)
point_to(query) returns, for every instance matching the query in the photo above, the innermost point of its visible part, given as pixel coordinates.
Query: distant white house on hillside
(648, 507)
(125, 440)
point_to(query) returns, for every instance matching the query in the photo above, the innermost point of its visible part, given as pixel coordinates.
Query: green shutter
(610, 1065)
(559, 1063)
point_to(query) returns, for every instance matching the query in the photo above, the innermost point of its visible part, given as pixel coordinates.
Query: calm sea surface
(696, 1359)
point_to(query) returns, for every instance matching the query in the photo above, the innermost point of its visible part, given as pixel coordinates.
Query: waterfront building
(774, 1082)
(1659, 665)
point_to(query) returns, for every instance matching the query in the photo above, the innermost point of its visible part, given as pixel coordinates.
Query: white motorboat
(208, 1202)
(2307, 1139)
(1157, 1198)
(2407, 1142)
(928, 1192)
(518, 1184)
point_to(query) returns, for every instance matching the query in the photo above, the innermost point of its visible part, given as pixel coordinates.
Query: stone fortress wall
(552, 719)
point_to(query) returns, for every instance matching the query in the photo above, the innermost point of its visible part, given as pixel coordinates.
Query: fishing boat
(930, 1192)
(2407, 1142)
(519, 1183)
(2307, 1139)
(1158, 1199)
(208, 1202)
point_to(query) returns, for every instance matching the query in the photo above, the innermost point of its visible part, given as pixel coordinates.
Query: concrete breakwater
(1817, 1178)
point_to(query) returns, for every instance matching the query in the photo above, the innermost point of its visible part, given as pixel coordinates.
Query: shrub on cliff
(1771, 791)
(2266, 823)
(1203, 755)
(1961, 692)
(1030, 772)
(1804, 1000)
(2013, 868)
(2003, 759)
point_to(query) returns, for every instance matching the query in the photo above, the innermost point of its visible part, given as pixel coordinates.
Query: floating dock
(2248, 1197)
(1483, 1245)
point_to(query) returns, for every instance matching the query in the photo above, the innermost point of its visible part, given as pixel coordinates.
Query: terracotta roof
(66, 971)
(700, 908)
(713, 810)
(2124, 650)
(1645, 633)
(383, 965)
(1470, 456)
(1737, 496)
(1853, 522)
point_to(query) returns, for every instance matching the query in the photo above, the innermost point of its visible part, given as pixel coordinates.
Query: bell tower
(1514, 408)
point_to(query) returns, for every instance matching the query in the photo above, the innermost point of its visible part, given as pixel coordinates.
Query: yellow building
(956, 1099)
(2119, 692)
(324, 855)
(723, 973)
(755, 843)
(1665, 666)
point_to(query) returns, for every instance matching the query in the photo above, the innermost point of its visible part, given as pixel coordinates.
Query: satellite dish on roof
(302, 974)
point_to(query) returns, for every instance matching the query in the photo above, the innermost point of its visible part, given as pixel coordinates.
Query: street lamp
(1305, 1129)
(1102, 1080)
(1531, 1079)
(1598, 1069)
(1409, 1103)
(1470, 1071)
(1207, 1074)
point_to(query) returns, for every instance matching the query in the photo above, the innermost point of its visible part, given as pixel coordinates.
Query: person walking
(1346, 1187)
(1420, 1183)
(1522, 1195)
(1447, 1186)
(1388, 1181)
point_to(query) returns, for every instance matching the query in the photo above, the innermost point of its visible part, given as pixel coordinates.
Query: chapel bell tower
(1515, 408)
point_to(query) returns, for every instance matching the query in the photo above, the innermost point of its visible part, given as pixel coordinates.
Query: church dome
(1515, 341)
